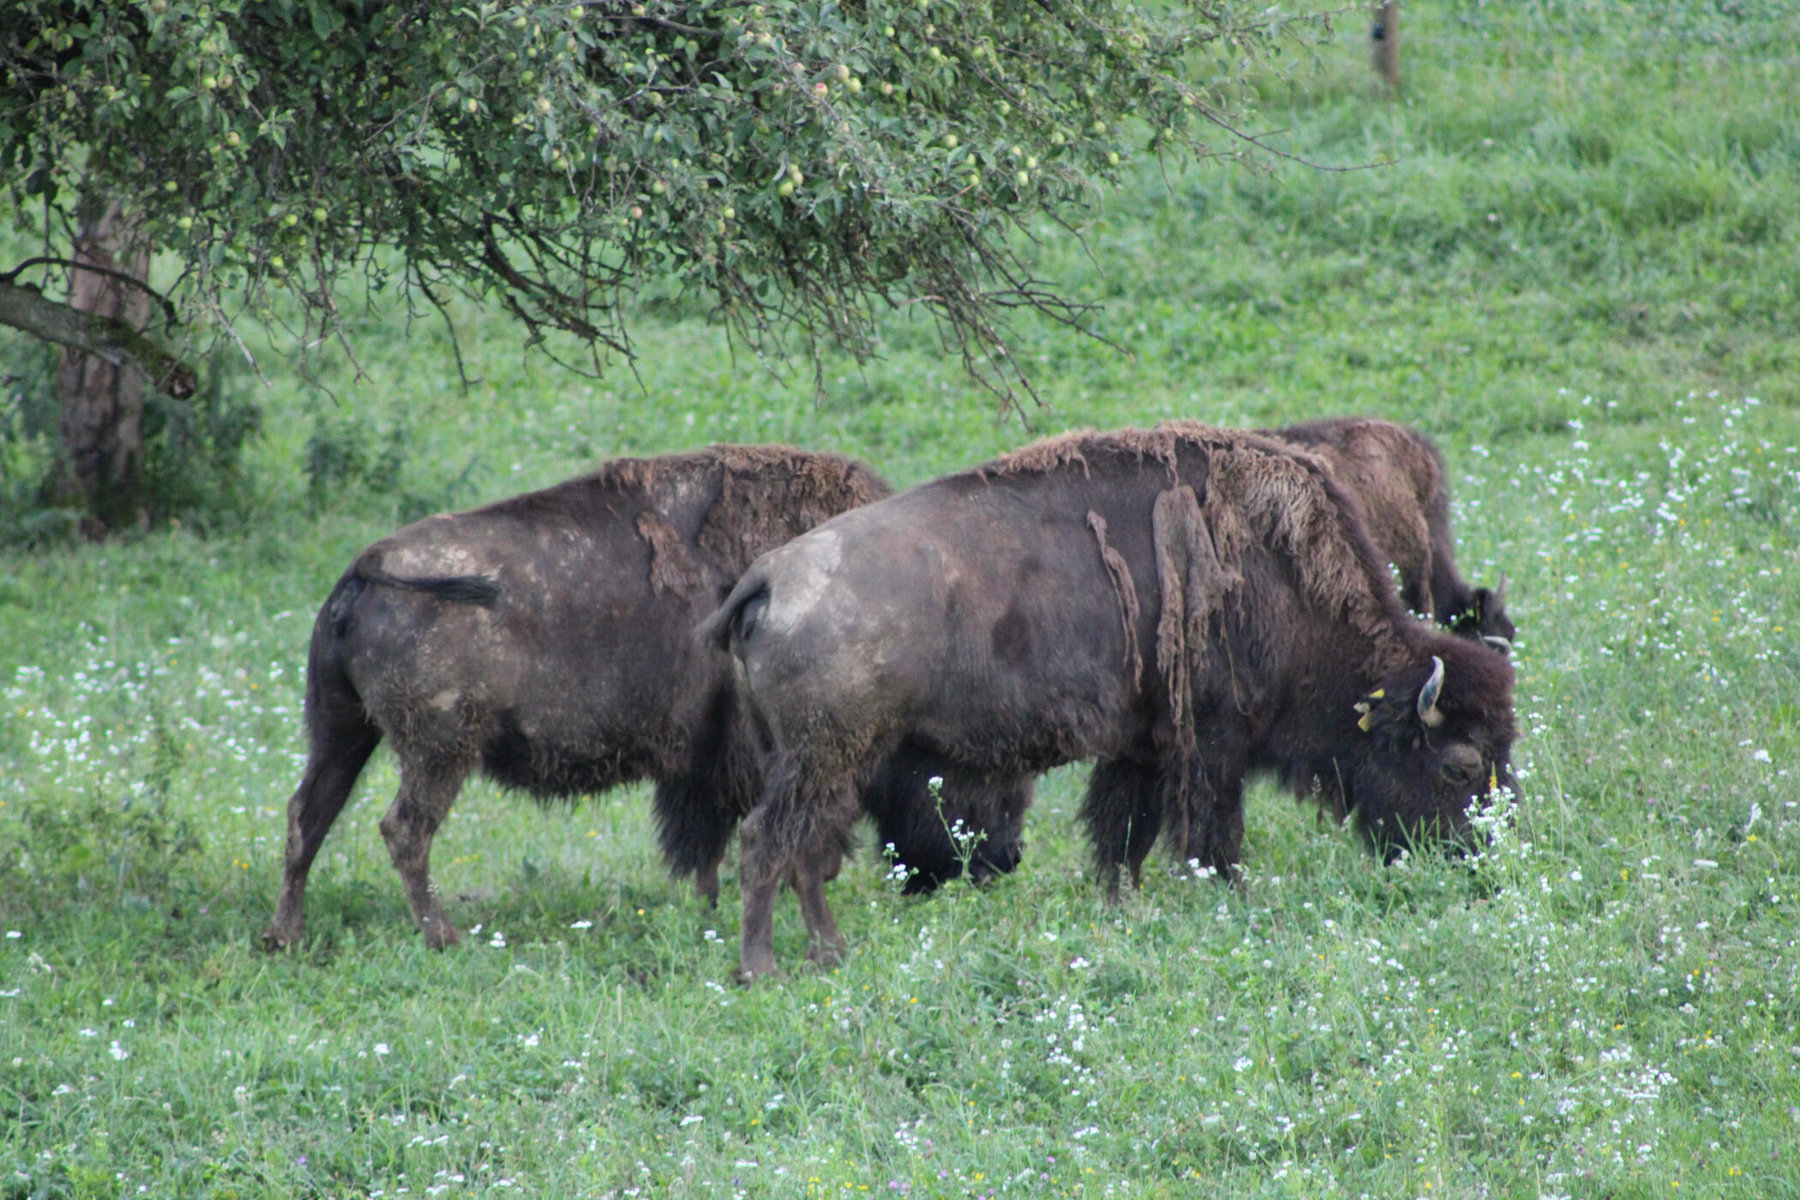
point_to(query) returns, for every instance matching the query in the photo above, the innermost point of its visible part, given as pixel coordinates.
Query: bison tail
(736, 619)
(479, 590)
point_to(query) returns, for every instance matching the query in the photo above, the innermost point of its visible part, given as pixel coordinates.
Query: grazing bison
(1398, 476)
(1183, 605)
(547, 641)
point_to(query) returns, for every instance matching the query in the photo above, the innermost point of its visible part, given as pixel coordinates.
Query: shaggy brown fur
(1398, 477)
(546, 641)
(1119, 573)
(980, 616)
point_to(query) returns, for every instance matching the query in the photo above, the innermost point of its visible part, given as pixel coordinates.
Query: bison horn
(1428, 695)
(1500, 591)
(1497, 642)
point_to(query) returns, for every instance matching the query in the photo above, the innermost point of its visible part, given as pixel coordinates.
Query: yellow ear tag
(1378, 693)
(1365, 721)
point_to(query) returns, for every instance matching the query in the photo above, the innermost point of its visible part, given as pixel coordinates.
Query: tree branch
(125, 277)
(28, 309)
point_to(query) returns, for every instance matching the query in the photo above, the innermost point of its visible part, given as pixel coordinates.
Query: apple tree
(806, 164)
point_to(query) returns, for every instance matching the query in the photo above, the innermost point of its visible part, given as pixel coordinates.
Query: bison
(546, 640)
(1398, 476)
(1184, 605)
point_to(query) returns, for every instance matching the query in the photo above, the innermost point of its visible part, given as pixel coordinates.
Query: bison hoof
(828, 954)
(275, 940)
(441, 935)
(745, 975)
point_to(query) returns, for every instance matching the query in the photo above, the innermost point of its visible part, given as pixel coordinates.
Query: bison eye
(1463, 770)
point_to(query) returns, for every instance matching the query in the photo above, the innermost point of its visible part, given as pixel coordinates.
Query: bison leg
(825, 944)
(801, 830)
(427, 790)
(758, 878)
(693, 828)
(341, 745)
(1123, 813)
(1220, 827)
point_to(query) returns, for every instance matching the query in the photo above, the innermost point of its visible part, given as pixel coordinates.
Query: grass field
(1581, 275)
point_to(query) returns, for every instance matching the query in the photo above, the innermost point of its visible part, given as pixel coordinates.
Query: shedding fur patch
(769, 495)
(1288, 502)
(1194, 585)
(672, 568)
(1258, 489)
(1125, 589)
(1397, 476)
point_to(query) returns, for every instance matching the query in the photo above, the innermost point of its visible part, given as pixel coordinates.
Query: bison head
(1434, 741)
(1484, 617)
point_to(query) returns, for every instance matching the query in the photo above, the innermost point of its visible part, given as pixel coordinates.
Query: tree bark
(102, 397)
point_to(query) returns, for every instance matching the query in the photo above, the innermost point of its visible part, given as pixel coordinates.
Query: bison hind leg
(800, 829)
(342, 739)
(428, 787)
(1123, 811)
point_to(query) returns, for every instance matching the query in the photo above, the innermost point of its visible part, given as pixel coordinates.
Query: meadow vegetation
(1579, 274)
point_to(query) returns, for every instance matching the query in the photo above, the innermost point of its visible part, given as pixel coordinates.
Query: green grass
(1580, 275)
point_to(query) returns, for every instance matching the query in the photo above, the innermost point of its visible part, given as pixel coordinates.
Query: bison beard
(546, 640)
(1184, 605)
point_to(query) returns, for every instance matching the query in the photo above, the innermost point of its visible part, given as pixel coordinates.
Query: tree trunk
(102, 402)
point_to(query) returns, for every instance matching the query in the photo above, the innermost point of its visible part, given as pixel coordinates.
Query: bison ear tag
(1368, 715)
(1378, 693)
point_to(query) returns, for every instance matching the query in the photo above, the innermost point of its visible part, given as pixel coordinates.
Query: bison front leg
(1123, 811)
(694, 826)
(427, 790)
(339, 750)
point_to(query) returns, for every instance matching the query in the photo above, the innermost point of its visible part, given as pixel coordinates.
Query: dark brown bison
(1183, 605)
(546, 640)
(1398, 477)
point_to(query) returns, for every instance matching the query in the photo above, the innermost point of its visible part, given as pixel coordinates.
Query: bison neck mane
(1253, 490)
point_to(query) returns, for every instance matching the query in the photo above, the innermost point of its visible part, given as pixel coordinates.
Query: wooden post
(1384, 45)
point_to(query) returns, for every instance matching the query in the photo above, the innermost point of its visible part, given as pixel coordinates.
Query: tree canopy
(805, 163)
